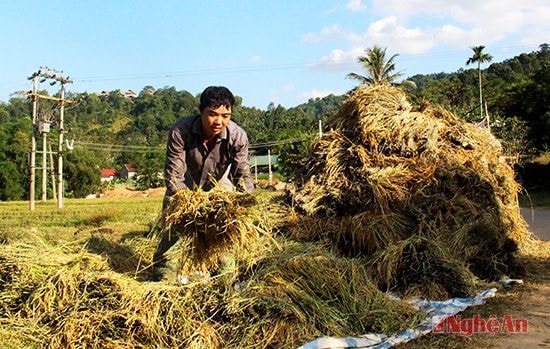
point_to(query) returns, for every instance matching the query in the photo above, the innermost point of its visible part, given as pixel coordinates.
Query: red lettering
(479, 325)
(507, 324)
(466, 327)
(521, 326)
(453, 324)
(440, 327)
(492, 324)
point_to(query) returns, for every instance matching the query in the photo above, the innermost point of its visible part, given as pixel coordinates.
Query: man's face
(214, 120)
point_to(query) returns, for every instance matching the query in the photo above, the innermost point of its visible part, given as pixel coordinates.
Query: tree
(11, 187)
(529, 101)
(379, 68)
(82, 173)
(479, 57)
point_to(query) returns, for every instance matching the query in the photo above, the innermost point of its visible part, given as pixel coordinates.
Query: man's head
(214, 96)
(216, 105)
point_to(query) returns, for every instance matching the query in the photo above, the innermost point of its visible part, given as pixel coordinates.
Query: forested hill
(117, 127)
(459, 90)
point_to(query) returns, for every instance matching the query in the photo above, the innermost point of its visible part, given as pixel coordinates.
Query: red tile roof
(108, 172)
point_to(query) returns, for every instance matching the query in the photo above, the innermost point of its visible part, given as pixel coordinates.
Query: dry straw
(66, 297)
(210, 223)
(389, 173)
(413, 201)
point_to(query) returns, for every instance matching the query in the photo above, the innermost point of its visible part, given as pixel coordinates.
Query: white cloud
(338, 60)
(485, 21)
(327, 33)
(306, 95)
(255, 59)
(453, 36)
(388, 32)
(415, 27)
(289, 87)
(355, 5)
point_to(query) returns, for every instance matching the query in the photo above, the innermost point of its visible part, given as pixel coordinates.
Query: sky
(283, 52)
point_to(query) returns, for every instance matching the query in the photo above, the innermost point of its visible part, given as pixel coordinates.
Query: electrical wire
(152, 149)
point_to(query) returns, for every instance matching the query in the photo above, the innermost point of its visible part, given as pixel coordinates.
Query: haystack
(390, 179)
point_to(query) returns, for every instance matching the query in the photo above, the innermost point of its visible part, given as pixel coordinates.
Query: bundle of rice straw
(209, 223)
(388, 173)
(61, 296)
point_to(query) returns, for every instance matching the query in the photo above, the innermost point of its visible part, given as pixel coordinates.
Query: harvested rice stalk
(295, 292)
(424, 266)
(210, 222)
(309, 291)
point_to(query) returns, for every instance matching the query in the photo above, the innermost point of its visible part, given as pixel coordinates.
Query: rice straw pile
(421, 193)
(65, 297)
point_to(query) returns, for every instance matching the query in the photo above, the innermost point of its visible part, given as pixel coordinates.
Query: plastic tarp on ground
(437, 312)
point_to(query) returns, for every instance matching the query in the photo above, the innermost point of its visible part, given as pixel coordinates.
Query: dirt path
(530, 302)
(122, 192)
(532, 305)
(538, 219)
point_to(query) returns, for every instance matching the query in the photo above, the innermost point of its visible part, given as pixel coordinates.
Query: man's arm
(174, 165)
(242, 178)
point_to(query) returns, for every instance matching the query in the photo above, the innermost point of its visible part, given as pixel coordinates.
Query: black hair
(214, 96)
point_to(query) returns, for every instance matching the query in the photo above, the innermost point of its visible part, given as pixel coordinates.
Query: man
(203, 150)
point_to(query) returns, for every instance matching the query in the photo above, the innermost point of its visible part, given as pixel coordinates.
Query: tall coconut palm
(379, 67)
(479, 57)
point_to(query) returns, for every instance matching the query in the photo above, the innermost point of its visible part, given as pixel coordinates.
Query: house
(108, 174)
(261, 162)
(128, 171)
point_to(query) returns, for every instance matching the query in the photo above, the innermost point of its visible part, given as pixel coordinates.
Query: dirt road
(538, 220)
(532, 301)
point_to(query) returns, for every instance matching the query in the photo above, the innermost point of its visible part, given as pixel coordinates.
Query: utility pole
(44, 128)
(487, 120)
(44, 74)
(44, 164)
(52, 172)
(270, 174)
(256, 169)
(63, 81)
(32, 159)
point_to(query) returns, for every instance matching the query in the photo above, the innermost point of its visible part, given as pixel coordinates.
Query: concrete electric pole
(32, 158)
(44, 127)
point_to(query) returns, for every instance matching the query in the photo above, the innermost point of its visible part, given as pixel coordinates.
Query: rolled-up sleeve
(174, 165)
(242, 178)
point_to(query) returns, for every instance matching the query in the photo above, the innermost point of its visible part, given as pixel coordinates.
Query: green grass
(78, 217)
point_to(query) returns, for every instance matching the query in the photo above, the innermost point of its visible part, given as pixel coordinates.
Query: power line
(151, 149)
(122, 146)
(271, 67)
(274, 67)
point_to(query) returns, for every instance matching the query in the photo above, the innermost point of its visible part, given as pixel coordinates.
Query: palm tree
(379, 69)
(479, 57)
